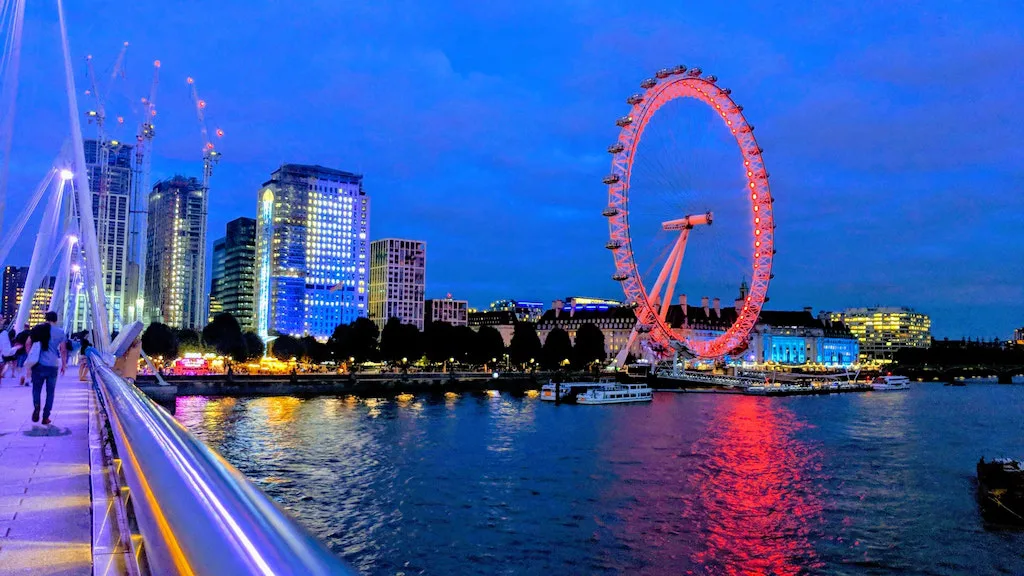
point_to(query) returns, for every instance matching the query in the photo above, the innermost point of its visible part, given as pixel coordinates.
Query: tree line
(398, 343)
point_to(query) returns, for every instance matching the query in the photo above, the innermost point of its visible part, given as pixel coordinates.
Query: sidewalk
(45, 519)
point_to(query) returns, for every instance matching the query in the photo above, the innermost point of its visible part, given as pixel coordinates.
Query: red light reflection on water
(756, 496)
(715, 486)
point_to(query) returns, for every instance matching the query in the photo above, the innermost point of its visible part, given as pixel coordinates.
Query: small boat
(1001, 491)
(616, 394)
(567, 391)
(887, 383)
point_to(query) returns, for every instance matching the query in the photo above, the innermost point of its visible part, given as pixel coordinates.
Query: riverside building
(398, 269)
(111, 188)
(233, 285)
(175, 254)
(882, 331)
(454, 312)
(312, 230)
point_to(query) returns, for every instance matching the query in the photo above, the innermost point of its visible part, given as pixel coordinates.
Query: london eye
(743, 200)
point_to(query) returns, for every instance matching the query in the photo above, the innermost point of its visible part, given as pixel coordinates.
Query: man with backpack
(53, 359)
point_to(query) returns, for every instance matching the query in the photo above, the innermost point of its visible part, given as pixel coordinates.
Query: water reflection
(758, 497)
(742, 496)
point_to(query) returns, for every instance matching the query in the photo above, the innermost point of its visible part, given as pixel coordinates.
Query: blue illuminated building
(312, 249)
(787, 338)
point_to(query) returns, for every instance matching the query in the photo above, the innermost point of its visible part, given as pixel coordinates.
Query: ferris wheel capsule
(648, 83)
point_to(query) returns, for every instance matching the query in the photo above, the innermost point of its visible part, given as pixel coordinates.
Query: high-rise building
(882, 331)
(233, 287)
(454, 312)
(217, 278)
(312, 227)
(175, 248)
(41, 301)
(111, 205)
(397, 280)
(14, 285)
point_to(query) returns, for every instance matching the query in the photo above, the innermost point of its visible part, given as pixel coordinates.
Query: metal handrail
(196, 513)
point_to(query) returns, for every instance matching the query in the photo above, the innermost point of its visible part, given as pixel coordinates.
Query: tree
(439, 342)
(225, 335)
(340, 343)
(254, 348)
(189, 341)
(557, 348)
(589, 345)
(160, 340)
(399, 341)
(314, 351)
(364, 340)
(286, 347)
(490, 344)
(525, 344)
(465, 344)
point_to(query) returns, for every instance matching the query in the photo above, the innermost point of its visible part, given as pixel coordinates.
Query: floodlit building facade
(454, 312)
(175, 248)
(882, 331)
(233, 284)
(398, 270)
(312, 247)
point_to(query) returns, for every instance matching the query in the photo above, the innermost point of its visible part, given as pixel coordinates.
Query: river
(870, 483)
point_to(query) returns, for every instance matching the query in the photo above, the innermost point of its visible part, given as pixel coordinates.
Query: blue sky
(890, 130)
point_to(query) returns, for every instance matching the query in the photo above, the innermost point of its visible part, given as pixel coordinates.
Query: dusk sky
(891, 130)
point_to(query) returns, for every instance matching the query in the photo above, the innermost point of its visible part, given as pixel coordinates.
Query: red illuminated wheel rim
(668, 86)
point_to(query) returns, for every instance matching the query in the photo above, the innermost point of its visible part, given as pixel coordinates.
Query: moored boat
(889, 382)
(567, 391)
(616, 394)
(1001, 491)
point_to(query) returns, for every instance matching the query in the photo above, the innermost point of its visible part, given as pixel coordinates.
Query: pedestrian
(9, 357)
(83, 361)
(20, 339)
(53, 359)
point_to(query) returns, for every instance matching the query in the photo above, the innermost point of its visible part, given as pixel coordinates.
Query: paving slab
(45, 504)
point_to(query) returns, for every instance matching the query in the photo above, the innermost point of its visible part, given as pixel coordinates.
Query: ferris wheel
(651, 302)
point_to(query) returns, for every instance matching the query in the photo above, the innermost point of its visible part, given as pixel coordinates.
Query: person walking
(22, 353)
(53, 359)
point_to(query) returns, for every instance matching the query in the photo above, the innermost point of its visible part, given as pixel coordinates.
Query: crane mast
(210, 158)
(140, 194)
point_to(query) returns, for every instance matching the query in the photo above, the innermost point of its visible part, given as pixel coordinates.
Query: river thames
(869, 483)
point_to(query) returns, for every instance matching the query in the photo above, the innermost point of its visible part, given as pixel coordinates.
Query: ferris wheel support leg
(653, 295)
(670, 288)
(620, 358)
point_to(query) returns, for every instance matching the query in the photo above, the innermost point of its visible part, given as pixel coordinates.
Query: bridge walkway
(45, 517)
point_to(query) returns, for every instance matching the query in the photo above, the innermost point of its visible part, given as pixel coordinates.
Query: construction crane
(210, 158)
(100, 176)
(140, 196)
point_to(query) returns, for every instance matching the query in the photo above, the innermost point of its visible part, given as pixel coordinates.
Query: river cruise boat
(616, 394)
(567, 391)
(886, 383)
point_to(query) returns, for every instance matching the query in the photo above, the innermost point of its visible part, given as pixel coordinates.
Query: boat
(1001, 491)
(616, 394)
(889, 382)
(567, 391)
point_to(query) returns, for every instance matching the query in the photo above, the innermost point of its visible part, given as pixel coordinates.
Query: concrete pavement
(45, 517)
